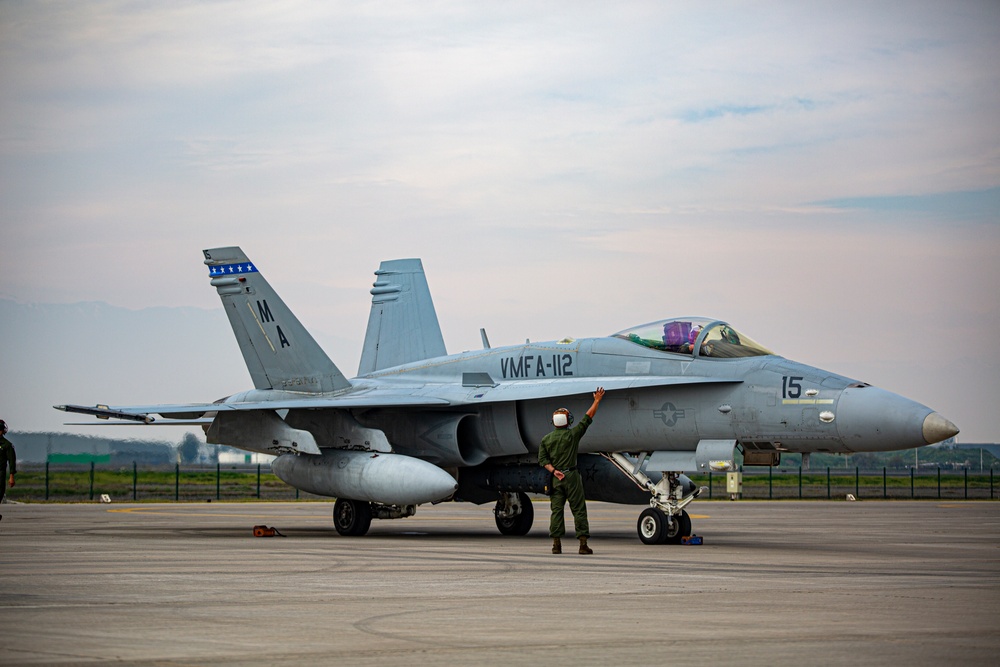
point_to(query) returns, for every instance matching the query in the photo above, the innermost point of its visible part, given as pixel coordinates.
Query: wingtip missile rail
(104, 412)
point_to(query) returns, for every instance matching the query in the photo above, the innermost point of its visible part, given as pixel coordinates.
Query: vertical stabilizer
(279, 352)
(403, 326)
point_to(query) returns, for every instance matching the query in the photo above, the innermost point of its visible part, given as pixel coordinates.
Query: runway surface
(865, 583)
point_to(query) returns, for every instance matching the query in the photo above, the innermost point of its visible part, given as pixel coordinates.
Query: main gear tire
(518, 524)
(352, 518)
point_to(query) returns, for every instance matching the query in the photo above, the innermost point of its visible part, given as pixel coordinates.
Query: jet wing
(193, 412)
(391, 395)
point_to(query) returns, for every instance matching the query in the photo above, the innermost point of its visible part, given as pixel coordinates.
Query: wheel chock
(692, 539)
(265, 531)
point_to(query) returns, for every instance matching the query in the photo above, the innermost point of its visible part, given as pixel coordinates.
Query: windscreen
(723, 341)
(710, 338)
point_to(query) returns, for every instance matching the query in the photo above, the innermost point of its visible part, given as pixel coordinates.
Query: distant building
(68, 448)
(240, 457)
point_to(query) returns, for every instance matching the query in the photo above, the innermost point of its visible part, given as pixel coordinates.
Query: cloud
(640, 156)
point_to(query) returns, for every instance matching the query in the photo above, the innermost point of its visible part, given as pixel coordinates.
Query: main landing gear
(514, 513)
(665, 521)
(353, 518)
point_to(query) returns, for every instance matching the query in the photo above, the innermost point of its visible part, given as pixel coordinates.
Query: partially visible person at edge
(7, 455)
(557, 454)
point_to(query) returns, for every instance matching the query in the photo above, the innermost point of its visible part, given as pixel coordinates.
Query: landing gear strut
(353, 518)
(514, 513)
(665, 521)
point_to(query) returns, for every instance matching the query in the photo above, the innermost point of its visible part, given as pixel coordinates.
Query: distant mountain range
(93, 352)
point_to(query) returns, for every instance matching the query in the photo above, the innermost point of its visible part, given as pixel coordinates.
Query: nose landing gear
(654, 527)
(665, 521)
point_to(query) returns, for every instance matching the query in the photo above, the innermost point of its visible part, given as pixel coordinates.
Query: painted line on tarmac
(146, 511)
(195, 512)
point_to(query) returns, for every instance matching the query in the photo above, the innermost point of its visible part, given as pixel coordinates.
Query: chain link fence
(88, 482)
(191, 483)
(837, 483)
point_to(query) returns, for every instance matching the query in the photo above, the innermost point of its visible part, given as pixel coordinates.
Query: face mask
(562, 419)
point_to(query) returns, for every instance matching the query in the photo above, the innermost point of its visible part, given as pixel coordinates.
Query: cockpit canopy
(695, 336)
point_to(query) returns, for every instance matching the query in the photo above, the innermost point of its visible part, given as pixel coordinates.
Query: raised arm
(598, 395)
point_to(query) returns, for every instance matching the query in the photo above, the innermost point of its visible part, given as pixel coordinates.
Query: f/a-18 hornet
(417, 425)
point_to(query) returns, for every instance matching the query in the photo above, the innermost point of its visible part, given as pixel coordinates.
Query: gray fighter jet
(417, 425)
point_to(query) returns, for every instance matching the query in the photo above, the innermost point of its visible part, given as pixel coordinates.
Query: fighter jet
(417, 425)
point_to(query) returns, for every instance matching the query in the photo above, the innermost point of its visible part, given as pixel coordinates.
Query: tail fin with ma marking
(279, 352)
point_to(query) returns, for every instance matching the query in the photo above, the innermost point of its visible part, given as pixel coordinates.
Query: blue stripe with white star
(231, 269)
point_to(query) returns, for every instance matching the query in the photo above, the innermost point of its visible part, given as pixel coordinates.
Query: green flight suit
(7, 455)
(560, 448)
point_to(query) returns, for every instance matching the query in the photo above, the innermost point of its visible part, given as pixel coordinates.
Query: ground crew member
(7, 455)
(557, 454)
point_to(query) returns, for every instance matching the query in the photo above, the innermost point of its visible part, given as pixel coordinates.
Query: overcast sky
(825, 176)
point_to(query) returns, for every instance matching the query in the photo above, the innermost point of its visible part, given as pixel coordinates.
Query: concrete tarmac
(862, 583)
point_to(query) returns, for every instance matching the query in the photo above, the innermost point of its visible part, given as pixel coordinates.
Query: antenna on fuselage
(486, 341)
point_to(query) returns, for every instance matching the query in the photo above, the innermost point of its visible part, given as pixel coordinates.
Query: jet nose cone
(870, 419)
(937, 428)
